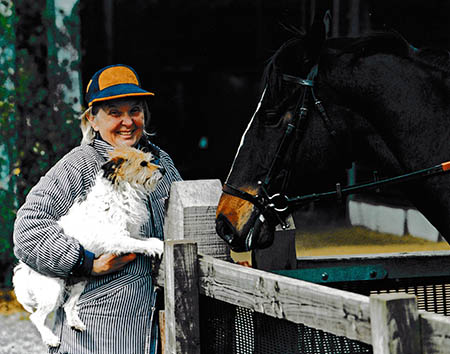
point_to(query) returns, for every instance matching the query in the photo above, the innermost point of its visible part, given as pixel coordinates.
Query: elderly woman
(116, 305)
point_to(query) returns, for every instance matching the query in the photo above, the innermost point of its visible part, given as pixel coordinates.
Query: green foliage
(38, 122)
(8, 146)
(48, 127)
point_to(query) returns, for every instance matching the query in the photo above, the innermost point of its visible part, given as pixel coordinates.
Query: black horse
(326, 103)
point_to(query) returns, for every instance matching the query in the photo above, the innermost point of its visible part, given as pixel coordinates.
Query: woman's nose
(127, 120)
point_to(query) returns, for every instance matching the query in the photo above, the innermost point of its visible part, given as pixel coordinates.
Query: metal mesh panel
(228, 329)
(432, 293)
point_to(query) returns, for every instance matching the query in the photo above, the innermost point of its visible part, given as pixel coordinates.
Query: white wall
(392, 220)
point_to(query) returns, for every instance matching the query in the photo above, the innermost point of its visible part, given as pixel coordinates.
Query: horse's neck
(412, 134)
(408, 126)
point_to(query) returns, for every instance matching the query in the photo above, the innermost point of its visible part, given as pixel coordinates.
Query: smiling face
(119, 122)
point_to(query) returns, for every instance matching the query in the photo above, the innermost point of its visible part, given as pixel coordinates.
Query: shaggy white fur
(108, 220)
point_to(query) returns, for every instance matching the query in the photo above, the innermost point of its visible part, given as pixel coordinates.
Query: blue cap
(114, 81)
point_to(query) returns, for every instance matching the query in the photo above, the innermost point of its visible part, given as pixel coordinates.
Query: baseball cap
(114, 81)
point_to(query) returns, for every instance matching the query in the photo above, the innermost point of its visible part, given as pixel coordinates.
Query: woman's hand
(109, 263)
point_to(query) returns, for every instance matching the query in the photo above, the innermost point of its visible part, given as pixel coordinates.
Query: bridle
(274, 207)
(271, 206)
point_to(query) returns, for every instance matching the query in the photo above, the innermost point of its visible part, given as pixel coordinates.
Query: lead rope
(358, 188)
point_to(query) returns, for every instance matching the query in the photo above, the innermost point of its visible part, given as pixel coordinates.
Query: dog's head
(132, 166)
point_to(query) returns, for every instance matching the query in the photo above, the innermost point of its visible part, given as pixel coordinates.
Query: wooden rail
(335, 311)
(391, 323)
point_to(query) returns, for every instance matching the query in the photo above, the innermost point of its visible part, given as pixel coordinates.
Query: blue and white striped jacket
(116, 307)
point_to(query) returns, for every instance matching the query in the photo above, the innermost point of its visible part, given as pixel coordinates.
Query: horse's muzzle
(256, 236)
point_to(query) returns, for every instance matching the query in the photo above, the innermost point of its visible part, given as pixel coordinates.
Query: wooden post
(191, 215)
(434, 332)
(181, 294)
(395, 324)
(162, 329)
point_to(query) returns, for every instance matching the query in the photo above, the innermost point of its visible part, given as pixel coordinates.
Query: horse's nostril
(223, 226)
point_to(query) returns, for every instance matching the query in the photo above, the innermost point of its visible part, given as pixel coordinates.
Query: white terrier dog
(108, 220)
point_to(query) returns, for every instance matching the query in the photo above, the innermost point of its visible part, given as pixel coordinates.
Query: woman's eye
(136, 111)
(114, 113)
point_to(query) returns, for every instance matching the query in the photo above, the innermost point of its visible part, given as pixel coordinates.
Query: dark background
(204, 59)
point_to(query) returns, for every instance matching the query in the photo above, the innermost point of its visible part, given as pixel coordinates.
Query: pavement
(19, 336)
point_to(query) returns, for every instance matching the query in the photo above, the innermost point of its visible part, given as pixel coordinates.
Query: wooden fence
(391, 322)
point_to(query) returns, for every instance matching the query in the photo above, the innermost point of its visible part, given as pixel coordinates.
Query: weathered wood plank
(162, 330)
(191, 215)
(181, 294)
(339, 312)
(435, 333)
(395, 324)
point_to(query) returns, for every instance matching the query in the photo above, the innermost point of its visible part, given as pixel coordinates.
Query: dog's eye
(144, 163)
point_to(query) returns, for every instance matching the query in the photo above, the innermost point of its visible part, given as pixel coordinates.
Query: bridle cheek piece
(272, 207)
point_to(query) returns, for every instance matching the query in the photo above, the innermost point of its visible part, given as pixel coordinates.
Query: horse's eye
(144, 163)
(271, 116)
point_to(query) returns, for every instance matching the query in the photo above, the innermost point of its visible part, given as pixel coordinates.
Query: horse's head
(381, 97)
(277, 149)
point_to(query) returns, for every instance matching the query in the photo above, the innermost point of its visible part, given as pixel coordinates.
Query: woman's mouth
(126, 134)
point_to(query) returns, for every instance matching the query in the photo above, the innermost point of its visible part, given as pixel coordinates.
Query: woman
(117, 303)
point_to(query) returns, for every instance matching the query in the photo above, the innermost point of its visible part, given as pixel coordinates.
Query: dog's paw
(80, 327)
(76, 324)
(51, 340)
(155, 247)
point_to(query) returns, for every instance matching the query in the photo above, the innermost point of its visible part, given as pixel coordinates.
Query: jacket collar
(102, 147)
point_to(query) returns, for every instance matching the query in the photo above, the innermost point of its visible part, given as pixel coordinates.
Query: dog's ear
(110, 168)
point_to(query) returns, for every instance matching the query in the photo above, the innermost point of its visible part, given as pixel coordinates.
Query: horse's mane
(385, 42)
(388, 42)
(392, 42)
(435, 57)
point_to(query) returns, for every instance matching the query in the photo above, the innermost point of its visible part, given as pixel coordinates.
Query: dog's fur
(108, 220)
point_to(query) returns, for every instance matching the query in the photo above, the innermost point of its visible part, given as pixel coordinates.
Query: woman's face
(120, 122)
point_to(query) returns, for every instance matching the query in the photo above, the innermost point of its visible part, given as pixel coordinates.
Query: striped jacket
(116, 308)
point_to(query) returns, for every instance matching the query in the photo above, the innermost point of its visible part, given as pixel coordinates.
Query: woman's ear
(91, 119)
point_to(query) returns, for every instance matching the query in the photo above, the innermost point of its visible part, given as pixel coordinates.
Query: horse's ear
(327, 23)
(318, 34)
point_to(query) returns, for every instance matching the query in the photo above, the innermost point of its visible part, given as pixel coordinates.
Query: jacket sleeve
(38, 239)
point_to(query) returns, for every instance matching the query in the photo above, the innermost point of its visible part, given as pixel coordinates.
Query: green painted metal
(336, 274)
